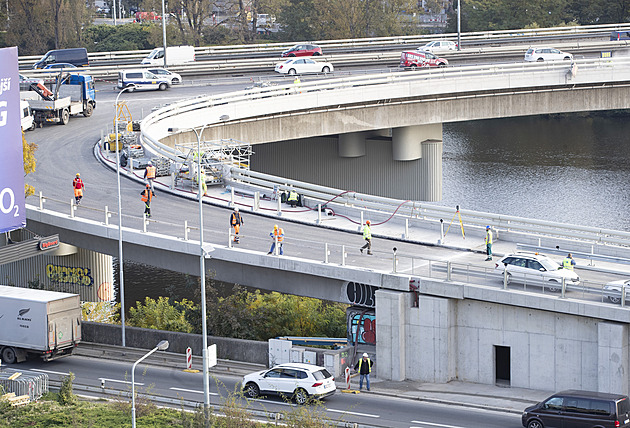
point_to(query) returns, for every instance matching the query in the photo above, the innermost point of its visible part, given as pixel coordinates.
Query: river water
(566, 168)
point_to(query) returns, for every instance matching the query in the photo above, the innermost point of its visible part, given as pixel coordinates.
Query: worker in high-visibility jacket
(364, 367)
(568, 262)
(146, 195)
(236, 221)
(488, 242)
(278, 236)
(204, 186)
(149, 174)
(78, 186)
(367, 236)
(293, 198)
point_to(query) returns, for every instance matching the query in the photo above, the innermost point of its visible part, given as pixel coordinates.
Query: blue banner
(12, 200)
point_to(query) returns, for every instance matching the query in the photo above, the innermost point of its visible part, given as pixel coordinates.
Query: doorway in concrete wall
(502, 365)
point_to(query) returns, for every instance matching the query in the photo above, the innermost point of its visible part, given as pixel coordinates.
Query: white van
(174, 55)
(142, 79)
(28, 122)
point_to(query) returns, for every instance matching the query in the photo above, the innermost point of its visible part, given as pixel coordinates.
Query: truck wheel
(65, 117)
(9, 355)
(88, 110)
(163, 86)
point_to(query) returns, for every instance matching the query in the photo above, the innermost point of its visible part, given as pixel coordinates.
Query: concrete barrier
(250, 351)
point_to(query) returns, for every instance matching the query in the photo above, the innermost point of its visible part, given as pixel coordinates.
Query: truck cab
(28, 122)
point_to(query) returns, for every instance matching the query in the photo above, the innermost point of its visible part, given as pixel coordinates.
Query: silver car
(438, 46)
(534, 268)
(612, 290)
(546, 53)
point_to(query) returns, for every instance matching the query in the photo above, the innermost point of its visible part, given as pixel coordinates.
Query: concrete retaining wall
(250, 351)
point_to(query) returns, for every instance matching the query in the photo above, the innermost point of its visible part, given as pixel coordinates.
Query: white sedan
(303, 66)
(612, 290)
(174, 78)
(438, 46)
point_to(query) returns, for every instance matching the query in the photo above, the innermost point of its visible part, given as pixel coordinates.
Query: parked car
(579, 409)
(303, 66)
(304, 49)
(173, 78)
(415, 59)
(295, 380)
(59, 65)
(523, 267)
(438, 46)
(546, 53)
(141, 79)
(612, 290)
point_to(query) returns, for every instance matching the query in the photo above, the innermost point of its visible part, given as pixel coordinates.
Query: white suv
(546, 53)
(297, 380)
(532, 268)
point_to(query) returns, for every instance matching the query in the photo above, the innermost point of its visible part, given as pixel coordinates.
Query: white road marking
(436, 425)
(191, 390)
(51, 372)
(119, 381)
(354, 413)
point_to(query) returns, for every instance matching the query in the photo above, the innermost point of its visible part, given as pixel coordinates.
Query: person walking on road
(568, 262)
(146, 195)
(364, 368)
(149, 174)
(78, 186)
(278, 236)
(236, 221)
(367, 235)
(488, 243)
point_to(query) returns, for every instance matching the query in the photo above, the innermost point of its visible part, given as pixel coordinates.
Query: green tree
(28, 155)
(162, 315)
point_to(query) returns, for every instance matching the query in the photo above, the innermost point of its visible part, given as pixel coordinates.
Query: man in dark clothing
(364, 367)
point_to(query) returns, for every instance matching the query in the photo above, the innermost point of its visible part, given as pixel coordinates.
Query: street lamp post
(120, 241)
(164, 33)
(459, 25)
(114, 11)
(162, 346)
(202, 275)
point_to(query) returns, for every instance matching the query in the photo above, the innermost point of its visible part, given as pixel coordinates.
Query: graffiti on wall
(361, 326)
(360, 294)
(69, 275)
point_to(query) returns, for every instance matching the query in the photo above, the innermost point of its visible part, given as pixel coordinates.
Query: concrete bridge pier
(351, 145)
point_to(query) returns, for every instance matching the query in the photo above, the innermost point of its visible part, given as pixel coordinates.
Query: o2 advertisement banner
(12, 200)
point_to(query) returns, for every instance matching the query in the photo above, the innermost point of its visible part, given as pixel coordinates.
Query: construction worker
(293, 198)
(204, 186)
(367, 235)
(278, 236)
(364, 367)
(146, 196)
(149, 174)
(488, 243)
(297, 83)
(568, 262)
(78, 186)
(236, 221)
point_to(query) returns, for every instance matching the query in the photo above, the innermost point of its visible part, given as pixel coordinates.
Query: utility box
(297, 355)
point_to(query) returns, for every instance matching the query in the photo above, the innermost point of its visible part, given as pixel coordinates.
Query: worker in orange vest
(146, 195)
(78, 186)
(236, 221)
(278, 236)
(149, 174)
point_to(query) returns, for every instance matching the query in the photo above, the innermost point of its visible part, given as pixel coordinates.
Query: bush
(66, 397)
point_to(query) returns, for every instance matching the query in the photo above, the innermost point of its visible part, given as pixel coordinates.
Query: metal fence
(26, 383)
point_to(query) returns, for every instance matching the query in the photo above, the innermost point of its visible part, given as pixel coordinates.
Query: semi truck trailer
(40, 322)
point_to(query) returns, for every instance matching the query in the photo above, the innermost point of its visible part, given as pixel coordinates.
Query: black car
(579, 409)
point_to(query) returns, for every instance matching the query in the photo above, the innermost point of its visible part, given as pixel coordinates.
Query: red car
(414, 59)
(303, 50)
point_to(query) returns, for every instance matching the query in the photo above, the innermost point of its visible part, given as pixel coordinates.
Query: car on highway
(303, 49)
(579, 409)
(419, 59)
(174, 78)
(612, 290)
(299, 381)
(303, 66)
(438, 46)
(546, 53)
(532, 268)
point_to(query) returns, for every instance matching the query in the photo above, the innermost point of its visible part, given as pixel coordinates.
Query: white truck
(46, 323)
(28, 122)
(174, 55)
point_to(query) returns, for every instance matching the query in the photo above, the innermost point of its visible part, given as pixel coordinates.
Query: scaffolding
(215, 156)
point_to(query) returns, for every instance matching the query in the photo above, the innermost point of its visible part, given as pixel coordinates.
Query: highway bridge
(436, 330)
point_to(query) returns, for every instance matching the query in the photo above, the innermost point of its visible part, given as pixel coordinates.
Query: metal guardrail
(24, 382)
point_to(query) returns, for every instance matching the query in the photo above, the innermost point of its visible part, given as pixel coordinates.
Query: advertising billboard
(12, 210)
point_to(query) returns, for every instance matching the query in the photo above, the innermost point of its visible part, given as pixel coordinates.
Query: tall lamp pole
(120, 241)
(162, 346)
(114, 11)
(459, 25)
(164, 33)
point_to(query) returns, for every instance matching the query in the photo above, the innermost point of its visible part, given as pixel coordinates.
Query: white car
(535, 269)
(303, 66)
(174, 78)
(438, 46)
(297, 380)
(546, 53)
(612, 290)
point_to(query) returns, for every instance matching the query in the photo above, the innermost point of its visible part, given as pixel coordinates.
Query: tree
(28, 155)
(162, 315)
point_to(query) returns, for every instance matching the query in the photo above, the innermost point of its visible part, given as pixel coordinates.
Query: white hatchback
(535, 269)
(303, 66)
(294, 380)
(546, 53)
(438, 46)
